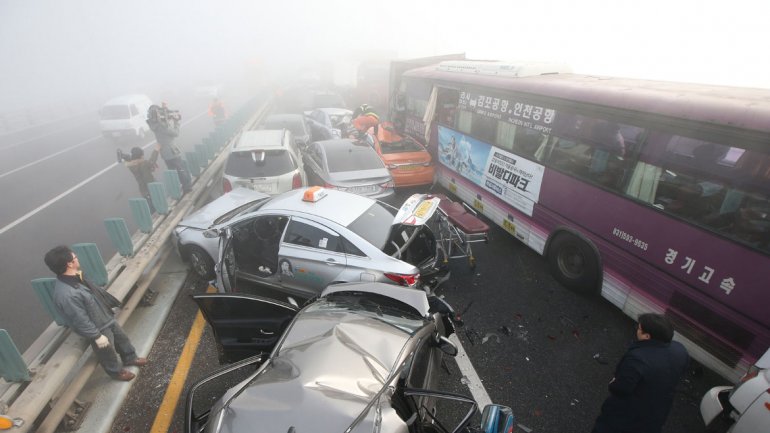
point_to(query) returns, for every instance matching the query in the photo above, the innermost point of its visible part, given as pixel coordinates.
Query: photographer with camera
(165, 124)
(141, 169)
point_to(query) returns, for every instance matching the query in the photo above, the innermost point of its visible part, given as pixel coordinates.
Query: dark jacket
(642, 390)
(142, 170)
(86, 307)
(165, 135)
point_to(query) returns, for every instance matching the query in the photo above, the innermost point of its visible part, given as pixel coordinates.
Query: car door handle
(331, 262)
(263, 332)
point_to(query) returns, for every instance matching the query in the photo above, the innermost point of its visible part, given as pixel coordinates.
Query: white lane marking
(474, 384)
(7, 173)
(54, 200)
(18, 143)
(67, 192)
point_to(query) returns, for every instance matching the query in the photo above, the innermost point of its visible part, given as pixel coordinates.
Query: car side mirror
(496, 418)
(447, 346)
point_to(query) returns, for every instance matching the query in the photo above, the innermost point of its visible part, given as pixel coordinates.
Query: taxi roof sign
(313, 194)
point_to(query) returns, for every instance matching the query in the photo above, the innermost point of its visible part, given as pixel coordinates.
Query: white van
(125, 117)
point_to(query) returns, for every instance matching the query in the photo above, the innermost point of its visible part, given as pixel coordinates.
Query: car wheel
(201, 263)
(574, 263)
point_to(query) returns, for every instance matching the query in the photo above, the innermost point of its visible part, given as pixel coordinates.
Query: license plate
(409, 167)
(266, 188)
(363, 189)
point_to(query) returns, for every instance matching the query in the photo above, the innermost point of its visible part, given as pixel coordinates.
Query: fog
(53, 50)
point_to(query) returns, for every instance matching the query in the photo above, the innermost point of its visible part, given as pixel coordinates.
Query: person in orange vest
(217, 111)
(364, 118)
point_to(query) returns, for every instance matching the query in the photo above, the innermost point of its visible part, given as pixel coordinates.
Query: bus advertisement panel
(511, 178)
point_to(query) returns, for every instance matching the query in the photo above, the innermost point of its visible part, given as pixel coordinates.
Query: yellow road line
(176, 385)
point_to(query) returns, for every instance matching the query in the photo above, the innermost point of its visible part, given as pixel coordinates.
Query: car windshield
(243, 209)
(114, 112)
(296, 126)
(383, 308)
(259, 163)
(352, 158)
(374, 224)
(400, 146)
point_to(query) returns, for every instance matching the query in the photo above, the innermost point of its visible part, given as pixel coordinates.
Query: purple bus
(653, 194)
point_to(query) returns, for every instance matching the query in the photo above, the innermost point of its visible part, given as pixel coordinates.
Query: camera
(123, 156)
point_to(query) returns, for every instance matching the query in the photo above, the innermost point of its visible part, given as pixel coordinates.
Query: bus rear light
(226, 186)
(403, 279)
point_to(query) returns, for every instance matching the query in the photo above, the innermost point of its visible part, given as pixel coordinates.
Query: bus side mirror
(497, 418)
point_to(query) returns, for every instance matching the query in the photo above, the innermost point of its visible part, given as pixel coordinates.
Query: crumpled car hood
(329, 368)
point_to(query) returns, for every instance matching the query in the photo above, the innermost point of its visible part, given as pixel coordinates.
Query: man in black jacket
(642, 391)
(87, 309)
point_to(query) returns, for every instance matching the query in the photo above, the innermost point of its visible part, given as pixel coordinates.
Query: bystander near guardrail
(39, 386)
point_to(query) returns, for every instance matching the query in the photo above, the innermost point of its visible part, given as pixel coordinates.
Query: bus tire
(574, 263)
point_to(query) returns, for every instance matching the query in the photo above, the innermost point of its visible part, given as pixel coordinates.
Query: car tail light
(296, 181)
(403, 279)
(226, 186)
(330, 186)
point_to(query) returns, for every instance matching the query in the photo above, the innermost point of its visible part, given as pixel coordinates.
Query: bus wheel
(574, 263)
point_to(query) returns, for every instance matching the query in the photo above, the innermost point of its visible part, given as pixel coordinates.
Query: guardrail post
(44, 289)
(173, 186)
(192, 163)
(158, 196)
(119, 235)
(92, 263)
(140, 209)
(12, 365)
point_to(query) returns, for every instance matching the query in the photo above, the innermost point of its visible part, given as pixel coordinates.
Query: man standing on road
(164, 123)
(642, 391)
(87, 309)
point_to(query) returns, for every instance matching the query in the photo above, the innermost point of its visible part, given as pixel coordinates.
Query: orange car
(408, 161)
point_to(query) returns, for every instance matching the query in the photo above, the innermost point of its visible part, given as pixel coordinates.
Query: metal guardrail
(60, 361)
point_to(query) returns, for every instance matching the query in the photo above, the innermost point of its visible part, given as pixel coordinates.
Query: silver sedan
(299, 242)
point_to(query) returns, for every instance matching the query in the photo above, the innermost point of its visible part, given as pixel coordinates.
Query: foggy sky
(58, 49)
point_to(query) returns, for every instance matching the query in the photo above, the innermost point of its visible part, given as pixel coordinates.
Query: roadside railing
(39, 387)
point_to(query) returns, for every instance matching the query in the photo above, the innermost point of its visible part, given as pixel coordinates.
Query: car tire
(201, 263)
(574, 262)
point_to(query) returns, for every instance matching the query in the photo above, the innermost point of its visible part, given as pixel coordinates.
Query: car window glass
(113, 112)
(352, 158)
(374, 224)
(259, 163)
(306, 235)
(418, 370)
(351, 249)
(404, 145)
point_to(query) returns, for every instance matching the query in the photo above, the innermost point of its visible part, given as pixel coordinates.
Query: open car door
(226, 262)
(244, 325)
